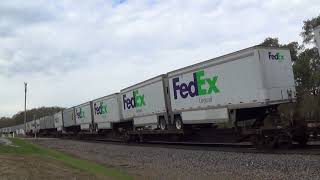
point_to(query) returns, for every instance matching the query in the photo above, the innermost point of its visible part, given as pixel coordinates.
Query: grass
(23, 147)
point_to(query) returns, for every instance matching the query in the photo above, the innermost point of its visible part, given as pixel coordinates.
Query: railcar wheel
(178, 123)
(162, 124)
(256, 141)
(284, 141)
(141, 140)
(303, 142)
(270, 142)
(126, 137)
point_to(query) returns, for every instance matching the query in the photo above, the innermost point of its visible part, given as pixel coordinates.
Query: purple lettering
(183, 89)
(175, 87)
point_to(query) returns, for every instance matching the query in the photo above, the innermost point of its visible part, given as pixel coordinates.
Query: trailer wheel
(162, 124)
(178, 123)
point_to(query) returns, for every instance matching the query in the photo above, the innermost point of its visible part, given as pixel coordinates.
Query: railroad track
(310, 149)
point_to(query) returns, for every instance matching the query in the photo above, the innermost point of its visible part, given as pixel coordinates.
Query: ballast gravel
(170, 163)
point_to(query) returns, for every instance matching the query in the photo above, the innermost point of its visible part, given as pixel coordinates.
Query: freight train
(234, 97)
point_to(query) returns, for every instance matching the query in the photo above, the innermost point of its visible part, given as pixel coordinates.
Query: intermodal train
(234, 97)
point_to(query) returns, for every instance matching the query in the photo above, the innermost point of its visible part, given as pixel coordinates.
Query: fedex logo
(101, 109)
(278, 56)
(56, 120)
(79, 113)
(195, 87)
(137, 100)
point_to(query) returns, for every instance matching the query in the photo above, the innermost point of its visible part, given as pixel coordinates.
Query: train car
(58, 121)
(36, 125)
(18, 129)
(145, 104)
(47, 125)
(69, 122)
(107, 113)
(30, 127)
(42, 124)
(240, 91)
(83, 116)
(224, 89)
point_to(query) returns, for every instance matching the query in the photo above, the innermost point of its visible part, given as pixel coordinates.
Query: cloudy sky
(74, 51)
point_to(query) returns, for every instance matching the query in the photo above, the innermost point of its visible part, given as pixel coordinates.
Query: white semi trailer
(47, 125)
(83, 116)
(58, 121)
(218, 90)
(69, 122)
(106, 111)
(146, 103)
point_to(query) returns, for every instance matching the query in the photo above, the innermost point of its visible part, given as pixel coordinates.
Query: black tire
(162, 124)
(178, 124)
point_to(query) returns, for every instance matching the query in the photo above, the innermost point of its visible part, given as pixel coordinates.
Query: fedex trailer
(106, 111)
(58, 121)
(69, 122)
(47, 125)
(83, 116)
(145, 104)
(221, 90)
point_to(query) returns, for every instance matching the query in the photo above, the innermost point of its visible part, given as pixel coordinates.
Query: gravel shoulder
(169, 163)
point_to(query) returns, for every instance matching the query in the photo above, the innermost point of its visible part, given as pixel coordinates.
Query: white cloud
(73, 51)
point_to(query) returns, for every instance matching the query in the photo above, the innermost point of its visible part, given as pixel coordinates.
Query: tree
(308, 27)
(271, 42)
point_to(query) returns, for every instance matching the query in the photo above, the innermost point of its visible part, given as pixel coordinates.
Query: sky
(70, 51)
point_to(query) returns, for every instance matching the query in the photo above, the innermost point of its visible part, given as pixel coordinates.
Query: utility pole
(25, 107)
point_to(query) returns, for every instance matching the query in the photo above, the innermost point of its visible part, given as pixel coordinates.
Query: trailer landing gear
(178, 123)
